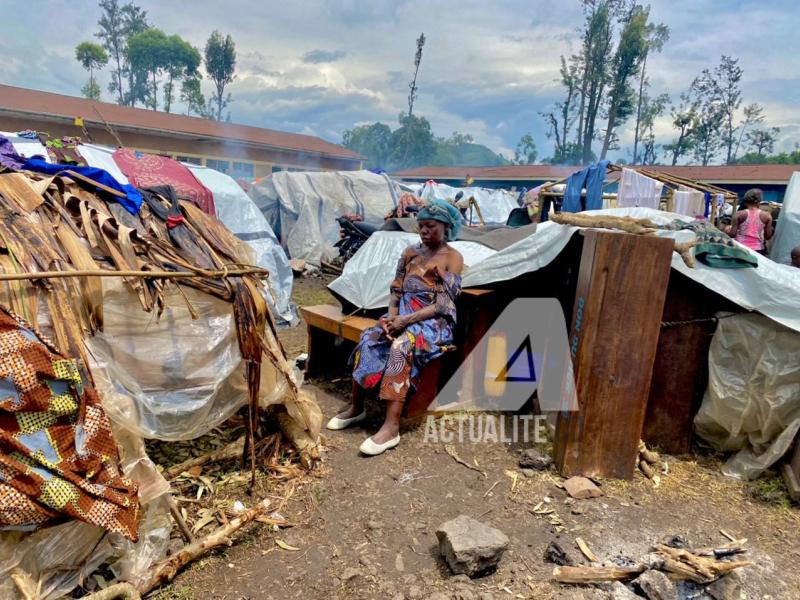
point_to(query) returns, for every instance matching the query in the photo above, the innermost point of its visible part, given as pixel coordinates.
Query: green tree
(650, 110)
(753, 114)
(112, 33)
(413, 144)
(657, 37)
(569, 154)
(684, 119)
(525, 152)
(192, 96)
(727, 76)
(134, 21)
(762, 141)
(91, 56)
(220, 63)
(561, 120)
(149, 52)
(372, 141)
(181, 62)
(710, 117)
(631, 49)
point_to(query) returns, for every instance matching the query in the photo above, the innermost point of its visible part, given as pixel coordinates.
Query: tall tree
(762, 141)
(413, 85)
(149, 51)
(710, 117)
(192, 96)
(753, 114)
(181, 62)
(727, 76)
(561, 120)
(657, 37)
(373, 141)
(631, 49)
(134, 20)
(91, 56)
(413, 144)
(112, 33)
(684, 119)
(525, 152)
(220, 63)
(651, 109)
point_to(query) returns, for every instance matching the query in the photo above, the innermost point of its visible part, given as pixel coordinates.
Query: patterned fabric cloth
(150, 170)
(63, 150)
(715, 248)
(57, 454)
(395, 364)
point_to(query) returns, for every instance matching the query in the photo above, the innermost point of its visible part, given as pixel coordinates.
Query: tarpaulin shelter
(168, 360)
(787, 230)
(302, 207)
(495, 205)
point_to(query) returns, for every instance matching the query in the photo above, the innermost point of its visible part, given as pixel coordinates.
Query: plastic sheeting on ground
(771, 289)
(239, 214)
(174, 378)
(752, 404)
(495, 205)
(787, 231)
(302, 208)
(27, 147)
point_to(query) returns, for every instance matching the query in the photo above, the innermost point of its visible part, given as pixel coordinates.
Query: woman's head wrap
(444, 212)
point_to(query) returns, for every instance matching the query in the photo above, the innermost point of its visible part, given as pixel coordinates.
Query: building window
(223, 166)
(243, 169)
(192, 160)
(277, 169)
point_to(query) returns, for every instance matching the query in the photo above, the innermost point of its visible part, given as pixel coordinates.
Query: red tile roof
(713, 174)
(25, 101)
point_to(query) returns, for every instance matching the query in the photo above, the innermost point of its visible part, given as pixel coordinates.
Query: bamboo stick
(595, 574)
(144, 274)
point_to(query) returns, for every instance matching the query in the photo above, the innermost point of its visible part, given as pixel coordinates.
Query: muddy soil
(366, 525)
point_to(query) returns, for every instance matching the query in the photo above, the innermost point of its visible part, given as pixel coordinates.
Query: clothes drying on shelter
(689, 202)
(636, 189)
(592, 178)
(63, 150)
(150, 170)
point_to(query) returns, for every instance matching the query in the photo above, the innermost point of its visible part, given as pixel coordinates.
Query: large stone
(534, 459)
(656, 586)
(619, 591)
(728, 587)
(469, 546)
(582, 488)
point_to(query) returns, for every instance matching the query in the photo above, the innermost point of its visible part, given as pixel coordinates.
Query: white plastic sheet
(239, 214)
(752, 404)
(495, 205)
(787, 231)
(302, 208)
(25, 147)
(175, 378)
(366, 276)
(102, 158)
(771, 289)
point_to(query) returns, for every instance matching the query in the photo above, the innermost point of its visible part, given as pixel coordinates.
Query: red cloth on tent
(148, 170)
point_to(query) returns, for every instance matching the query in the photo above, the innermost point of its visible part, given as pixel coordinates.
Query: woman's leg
(391, 425)
(356, 402)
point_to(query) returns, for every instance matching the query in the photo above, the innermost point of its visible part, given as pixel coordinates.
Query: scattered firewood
(166, 570)
(700, 569)
(587, 552)
(232, 450)
(596, 574)
(121, 591)
(626, 224)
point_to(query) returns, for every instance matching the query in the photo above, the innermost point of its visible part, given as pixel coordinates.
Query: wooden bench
(328, 326)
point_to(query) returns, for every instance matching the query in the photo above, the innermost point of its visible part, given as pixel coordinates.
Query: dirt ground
(365, 526)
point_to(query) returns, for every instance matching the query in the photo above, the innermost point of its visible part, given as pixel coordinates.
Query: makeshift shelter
(164, 317)
(495, 205)
(302, 207)
(787, 230)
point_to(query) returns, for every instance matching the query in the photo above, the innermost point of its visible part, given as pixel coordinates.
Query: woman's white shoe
(370, 448)
(336, 423)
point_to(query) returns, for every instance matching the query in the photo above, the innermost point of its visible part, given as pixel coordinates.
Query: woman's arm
(396, 286)
(769, 230)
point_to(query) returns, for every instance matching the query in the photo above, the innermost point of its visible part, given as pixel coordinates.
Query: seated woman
(420, 321)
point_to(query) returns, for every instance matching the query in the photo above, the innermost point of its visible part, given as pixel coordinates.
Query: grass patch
(770, 489)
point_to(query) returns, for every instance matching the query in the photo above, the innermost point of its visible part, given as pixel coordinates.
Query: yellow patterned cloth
(57, 455)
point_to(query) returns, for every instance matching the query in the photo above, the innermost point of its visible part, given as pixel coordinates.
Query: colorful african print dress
(396, 364)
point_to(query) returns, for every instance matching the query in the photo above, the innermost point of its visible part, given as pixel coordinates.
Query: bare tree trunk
(639, 111)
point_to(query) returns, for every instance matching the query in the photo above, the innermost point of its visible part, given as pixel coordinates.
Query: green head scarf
(444, 212)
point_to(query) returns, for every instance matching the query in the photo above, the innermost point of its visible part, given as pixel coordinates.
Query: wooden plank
(329, 318)
(680, 370)
(616, 320)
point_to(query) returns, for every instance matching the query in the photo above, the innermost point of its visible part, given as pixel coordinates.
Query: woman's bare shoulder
(455, 259)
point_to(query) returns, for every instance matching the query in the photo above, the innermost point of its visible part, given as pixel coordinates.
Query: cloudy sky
(322, 66)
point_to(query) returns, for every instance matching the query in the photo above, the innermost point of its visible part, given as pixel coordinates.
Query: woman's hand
(395, 325)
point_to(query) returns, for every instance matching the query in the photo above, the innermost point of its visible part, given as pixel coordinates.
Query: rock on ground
(618, 591)
(582, 488)
(728, 587)
(470, 547)
(656, 586)
(534, 459)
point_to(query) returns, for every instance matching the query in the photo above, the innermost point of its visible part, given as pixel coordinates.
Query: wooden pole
(144, 274)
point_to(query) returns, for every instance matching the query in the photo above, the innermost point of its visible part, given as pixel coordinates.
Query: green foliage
(193, 97)
(525, 152)
(91, 56)
(412, 143)
(114, 37)
(372, 141)
(782, 158)
(148, 52)
(91, 90)
(220, 63)
(182, 61)
(134, 20)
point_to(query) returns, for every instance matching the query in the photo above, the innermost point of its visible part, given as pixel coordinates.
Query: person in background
(752, 226)
(417, 328)
(796, 257)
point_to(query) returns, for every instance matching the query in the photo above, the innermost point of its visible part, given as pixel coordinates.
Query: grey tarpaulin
(787, 231)
(752, 404)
